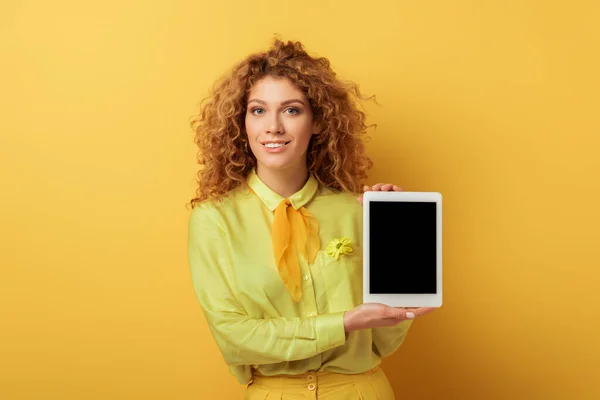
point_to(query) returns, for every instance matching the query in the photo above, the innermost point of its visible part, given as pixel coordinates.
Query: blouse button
(311, 386)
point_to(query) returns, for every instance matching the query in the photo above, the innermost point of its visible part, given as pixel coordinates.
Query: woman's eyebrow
(292, 101)
(256, 101)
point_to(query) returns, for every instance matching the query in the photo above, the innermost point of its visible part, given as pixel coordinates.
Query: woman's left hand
(380, 187)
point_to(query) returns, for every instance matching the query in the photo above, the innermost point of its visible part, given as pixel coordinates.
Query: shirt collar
(272, 199)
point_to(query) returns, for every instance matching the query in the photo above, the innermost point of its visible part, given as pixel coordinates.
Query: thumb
(399, 313)
(403, 313)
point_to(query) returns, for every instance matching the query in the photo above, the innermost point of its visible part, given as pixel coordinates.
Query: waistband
(309, 380)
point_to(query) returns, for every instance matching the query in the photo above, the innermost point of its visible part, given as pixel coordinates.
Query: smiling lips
(274, 145)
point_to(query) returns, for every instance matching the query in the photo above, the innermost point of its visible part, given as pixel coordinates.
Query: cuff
(330, 331)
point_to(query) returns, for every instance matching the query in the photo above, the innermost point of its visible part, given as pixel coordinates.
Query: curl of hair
(336, 156)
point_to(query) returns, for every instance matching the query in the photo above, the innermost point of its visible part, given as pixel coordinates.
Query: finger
(419, 312)
(377, 187)
(414, 312)
(397, 188)
(399, 314)
(387, 187)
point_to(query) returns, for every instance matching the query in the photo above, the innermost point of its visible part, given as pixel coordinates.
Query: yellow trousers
(370, 385)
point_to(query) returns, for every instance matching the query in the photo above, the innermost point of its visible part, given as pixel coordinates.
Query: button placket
(312, 382)
(310, 304)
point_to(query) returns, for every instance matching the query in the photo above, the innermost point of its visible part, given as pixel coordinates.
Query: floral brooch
(341, 246)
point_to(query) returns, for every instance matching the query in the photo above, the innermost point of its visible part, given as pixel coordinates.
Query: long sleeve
(387, 340)
(242, 338)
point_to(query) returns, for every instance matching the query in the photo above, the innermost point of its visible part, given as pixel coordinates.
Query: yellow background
(493, 103)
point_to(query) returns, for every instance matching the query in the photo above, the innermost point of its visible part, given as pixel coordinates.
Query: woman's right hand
(376, 315)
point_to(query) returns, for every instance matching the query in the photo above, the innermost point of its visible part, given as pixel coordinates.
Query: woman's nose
(274, 126)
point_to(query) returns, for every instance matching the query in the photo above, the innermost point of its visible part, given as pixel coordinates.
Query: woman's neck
(283, 182)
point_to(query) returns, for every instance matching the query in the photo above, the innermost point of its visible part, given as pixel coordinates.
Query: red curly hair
(336, 157)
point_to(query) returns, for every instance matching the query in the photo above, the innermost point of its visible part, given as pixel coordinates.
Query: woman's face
(279, 124)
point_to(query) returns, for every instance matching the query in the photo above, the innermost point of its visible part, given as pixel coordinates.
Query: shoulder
(211, 211)
(338, 197)
(338, 201)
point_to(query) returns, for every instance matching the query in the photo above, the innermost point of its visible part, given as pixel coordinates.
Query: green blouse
(250, 312)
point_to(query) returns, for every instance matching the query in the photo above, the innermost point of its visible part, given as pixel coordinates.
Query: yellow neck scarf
(294, 231)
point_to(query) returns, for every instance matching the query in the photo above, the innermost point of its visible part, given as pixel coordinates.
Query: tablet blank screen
(402, 247)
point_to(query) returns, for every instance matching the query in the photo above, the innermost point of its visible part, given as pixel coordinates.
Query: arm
(388, 325)
(387, 340)
(244, 339)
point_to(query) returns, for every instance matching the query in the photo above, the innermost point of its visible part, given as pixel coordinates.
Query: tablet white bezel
(402, 300)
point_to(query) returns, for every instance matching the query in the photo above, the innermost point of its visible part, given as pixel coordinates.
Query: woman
(275, 232)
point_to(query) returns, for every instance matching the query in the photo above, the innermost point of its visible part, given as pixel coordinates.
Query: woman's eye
(257, 111)
(292, 111)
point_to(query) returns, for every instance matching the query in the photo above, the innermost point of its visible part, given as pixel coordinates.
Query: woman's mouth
(274, 145)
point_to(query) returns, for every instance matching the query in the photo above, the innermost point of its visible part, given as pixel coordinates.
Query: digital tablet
(402, 248)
